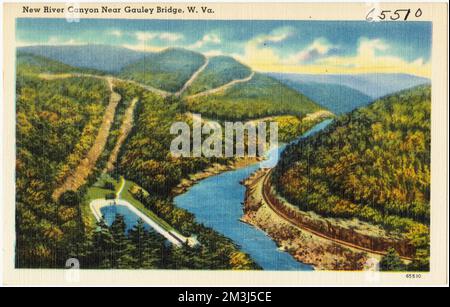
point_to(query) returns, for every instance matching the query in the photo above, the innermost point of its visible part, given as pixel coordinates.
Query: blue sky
(283, 46)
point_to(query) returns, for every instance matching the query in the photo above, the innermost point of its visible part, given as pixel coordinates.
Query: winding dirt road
(155, 90)
(192, 78)
(222, 88)
(115, 79)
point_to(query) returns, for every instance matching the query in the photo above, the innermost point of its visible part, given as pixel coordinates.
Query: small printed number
(413, 276)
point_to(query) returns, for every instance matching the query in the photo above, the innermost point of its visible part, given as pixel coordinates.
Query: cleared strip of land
(84, 168)
(125, 129)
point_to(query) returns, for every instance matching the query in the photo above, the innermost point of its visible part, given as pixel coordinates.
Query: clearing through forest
(84, 168)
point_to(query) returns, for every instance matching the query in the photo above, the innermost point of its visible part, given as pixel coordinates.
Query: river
(217, 202)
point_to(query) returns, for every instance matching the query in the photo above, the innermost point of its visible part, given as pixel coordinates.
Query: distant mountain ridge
(100, 57)
(168, 69)
(375, 85)
(185, 73)
(335, 97)
(29, 63)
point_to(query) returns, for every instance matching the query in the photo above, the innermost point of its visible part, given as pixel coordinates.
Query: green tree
(110, 196)
(147, 247)
(102, 247)
(421, 261)
(109, 185)
(391, 261)
(121, 246)
(70, 198)
(419, 236)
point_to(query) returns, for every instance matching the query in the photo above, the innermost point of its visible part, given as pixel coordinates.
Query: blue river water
(217, 202)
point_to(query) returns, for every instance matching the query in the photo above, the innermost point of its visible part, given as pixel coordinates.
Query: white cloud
(144, 36)
(206, 39)
(318, 48)
(170, 36)
(116, 33)
(372, 55)
(276, 36)
(166, 36)
(369, 47)
(143, 47)
(257, 53)
(215, 52)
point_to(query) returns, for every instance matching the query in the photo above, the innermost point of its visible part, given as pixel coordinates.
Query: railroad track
(309, 229)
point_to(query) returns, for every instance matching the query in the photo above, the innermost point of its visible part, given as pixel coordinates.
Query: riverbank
(213, 170)
(304, 246)
(215, 197)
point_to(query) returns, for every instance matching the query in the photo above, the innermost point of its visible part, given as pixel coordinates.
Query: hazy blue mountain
(336, 98)
(374, 85)
(99, 57)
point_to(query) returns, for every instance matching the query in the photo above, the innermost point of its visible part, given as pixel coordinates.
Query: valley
(112, 134)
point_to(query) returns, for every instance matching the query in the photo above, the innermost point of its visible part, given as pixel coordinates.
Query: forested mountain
(146, 159)
(220, 71)
(259, 97)
(35, 64)
(372, 164)
(98, 57)
(167, 70)
(57, 121)
(170, 69)
(335, 97)
(374, 85)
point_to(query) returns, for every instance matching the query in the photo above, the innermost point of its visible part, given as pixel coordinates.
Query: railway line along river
(217, 202)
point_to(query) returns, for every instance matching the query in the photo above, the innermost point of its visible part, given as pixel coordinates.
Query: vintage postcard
(225, 143)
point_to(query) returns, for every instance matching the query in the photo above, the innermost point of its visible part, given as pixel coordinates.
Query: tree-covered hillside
(220, 70)
(58, 119)
(145, 158)
(167, 70)
(56, 125)
(97, 57)
(35, 64)
(372, 164)
(259, 97)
